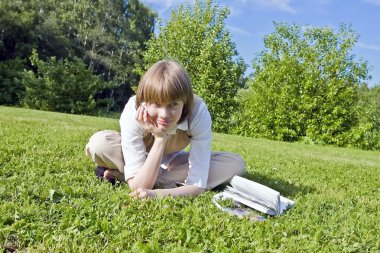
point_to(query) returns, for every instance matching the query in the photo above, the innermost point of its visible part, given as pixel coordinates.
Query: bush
(11, 88)
(61, 85)
(367, 134)
(305, 86)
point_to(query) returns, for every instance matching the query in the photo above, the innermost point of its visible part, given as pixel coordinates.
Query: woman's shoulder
(198, 104)
(128, 122)
(197, 99)
(129, 110)
(130, 106)
(131, 103)
(199, 113)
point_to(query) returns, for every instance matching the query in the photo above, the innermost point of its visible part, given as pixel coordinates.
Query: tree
(108, 36)
(369, 100)
(304, 86)
(11, 88)
(61, 85)
(196, 37)
(111, 37)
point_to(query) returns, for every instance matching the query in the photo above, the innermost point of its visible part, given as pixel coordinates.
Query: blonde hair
(165, 82)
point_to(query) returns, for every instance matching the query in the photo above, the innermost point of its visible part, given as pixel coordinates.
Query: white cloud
(239, 31)
(367, 46)
(282, 5)
(375, 2)
(235, 11)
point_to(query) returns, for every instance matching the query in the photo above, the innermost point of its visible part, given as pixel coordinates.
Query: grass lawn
(50, 200)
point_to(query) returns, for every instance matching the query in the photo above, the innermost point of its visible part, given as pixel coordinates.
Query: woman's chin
(165, 128)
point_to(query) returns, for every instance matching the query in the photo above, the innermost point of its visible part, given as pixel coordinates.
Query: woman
(156, 125)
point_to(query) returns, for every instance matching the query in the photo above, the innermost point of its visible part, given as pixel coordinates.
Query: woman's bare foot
(109, 174)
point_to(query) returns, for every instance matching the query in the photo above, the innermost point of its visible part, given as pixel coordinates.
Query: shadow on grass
(285, 188)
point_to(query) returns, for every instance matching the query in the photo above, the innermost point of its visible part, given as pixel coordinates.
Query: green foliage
(196, 36)
(16, 24)
(305, 86)
(371, 97)
(50, 200)
(108, 36)
(11, 88)
(61, 85)
(367, 134)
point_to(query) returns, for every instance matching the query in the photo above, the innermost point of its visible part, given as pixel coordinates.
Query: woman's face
(167, 115)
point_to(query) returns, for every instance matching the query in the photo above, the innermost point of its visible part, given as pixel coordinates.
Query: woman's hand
(186, 190)
(147, 123)
(143, 194)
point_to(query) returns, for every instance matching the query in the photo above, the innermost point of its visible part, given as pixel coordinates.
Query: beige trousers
(104, 148)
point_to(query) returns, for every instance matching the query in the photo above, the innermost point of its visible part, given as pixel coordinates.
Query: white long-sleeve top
(196, 131)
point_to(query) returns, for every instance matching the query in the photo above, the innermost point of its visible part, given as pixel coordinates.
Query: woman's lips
(163, 122)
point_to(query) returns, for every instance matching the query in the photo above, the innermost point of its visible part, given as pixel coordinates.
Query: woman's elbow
(197, 190)
(134, 185)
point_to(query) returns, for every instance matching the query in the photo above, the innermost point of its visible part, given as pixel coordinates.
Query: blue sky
(250, 20)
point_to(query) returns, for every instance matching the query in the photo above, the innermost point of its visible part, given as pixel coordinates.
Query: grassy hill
(50, 201)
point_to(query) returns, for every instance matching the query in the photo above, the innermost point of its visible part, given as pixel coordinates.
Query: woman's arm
(200, 146)
(186, 190)
(147, 175)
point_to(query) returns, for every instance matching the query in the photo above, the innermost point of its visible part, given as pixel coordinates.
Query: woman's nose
(164, 112)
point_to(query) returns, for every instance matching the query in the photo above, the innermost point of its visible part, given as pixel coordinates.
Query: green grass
(50, 200)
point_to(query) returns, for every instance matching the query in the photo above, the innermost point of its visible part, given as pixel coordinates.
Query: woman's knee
(223, 167)
(231, 163)
(100, 143)
(238, 164)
